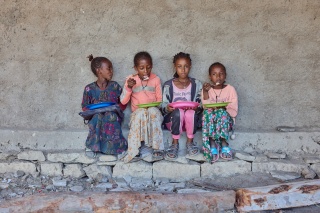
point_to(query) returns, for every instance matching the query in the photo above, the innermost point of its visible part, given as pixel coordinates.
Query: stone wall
(270, 50)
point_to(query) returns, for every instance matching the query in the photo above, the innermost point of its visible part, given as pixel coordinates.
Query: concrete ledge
(122, 202)
(286, 142)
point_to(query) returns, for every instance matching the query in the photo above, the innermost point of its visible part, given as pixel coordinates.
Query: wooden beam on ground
(117, 202)
(280, 196)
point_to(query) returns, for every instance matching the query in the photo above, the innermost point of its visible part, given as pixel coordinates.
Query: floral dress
(105, 133)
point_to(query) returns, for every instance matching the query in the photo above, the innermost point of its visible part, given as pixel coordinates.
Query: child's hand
(131, 82)
(206, 87)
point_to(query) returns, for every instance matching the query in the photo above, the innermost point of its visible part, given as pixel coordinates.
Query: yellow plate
(220, 104)
(153, 104)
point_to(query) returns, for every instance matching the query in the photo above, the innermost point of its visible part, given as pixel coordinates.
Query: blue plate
(100, 105)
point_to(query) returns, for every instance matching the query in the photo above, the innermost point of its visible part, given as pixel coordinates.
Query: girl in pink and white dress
(181, 88)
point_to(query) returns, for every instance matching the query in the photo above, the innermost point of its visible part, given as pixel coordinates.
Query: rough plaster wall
(270, 49)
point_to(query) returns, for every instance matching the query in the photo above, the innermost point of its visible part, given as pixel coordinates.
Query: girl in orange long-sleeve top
(145, 135)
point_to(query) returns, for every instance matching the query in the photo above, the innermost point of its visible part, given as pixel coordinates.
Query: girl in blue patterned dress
(105, 133)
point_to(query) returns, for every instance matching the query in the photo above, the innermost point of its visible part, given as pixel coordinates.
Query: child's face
(144, 68)
(182, 67)
(106, 70)
(217, 75)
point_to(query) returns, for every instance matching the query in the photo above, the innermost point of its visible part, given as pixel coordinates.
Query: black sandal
(172, 152)
(192, 149)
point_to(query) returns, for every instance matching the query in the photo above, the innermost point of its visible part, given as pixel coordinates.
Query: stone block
(225, 168)
(179, 159)
(244, 156)
(51, 169)
(31, 155)
(285, 175)
(27, 167)
(261, 158)
(197, 158)
(311, 159)
(316, 168)
(135, 169)
(94, 171)
(75, 157)
(274, 155)
(279, 165)
(73, 170)
(176, 171)
(108, 158)
(4, 156)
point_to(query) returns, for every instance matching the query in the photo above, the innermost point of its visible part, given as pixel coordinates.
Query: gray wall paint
(270, 49)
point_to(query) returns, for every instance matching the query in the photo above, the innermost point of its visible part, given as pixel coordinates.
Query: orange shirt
(227, 94)
(143, 92)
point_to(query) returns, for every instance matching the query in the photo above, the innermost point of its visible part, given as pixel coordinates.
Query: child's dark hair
(97, 62)
(179, 56)
(141, 55)
(217, 64)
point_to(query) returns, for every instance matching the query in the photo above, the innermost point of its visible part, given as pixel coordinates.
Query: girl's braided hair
(97, 62)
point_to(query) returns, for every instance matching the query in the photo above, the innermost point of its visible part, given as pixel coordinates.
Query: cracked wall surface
(270, 49)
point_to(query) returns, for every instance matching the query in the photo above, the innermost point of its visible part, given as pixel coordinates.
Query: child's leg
(174, 123)
(190, 125)
(155, 134)
(208, 130)
(137, 133)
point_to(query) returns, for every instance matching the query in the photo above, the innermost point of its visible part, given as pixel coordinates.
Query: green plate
(220, 104)
(153, 104)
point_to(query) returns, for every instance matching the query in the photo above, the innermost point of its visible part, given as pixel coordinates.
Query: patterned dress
(105, 133)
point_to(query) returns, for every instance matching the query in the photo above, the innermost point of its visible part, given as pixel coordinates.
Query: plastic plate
(153, 104)
(184, 104)
(220, 104)
(100, 105)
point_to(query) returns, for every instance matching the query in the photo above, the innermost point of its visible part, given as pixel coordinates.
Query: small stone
(50, 187)
(308, 173)
(92, 171)
(151, 159)
(159, 181)
(169, 187)
(274, 155)
(12, 195)
(107, 163)
(19, 173)
(285, 175)
(4, 185)
(51, 169)
(311, 159)
(198, 158)
(286, 129)
(73, 170)
(184, 191)
(244, 156)
(76, 189)
(107, 158)
(127, 189)
(57, 182)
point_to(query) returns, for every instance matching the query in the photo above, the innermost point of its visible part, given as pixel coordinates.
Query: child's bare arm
(206, 87)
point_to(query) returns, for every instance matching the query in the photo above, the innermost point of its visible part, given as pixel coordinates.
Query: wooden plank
(285, 195)
(119, 202)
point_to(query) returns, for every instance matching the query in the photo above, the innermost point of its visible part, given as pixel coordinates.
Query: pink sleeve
(158, 90)
(126, 94)
(232, 108)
